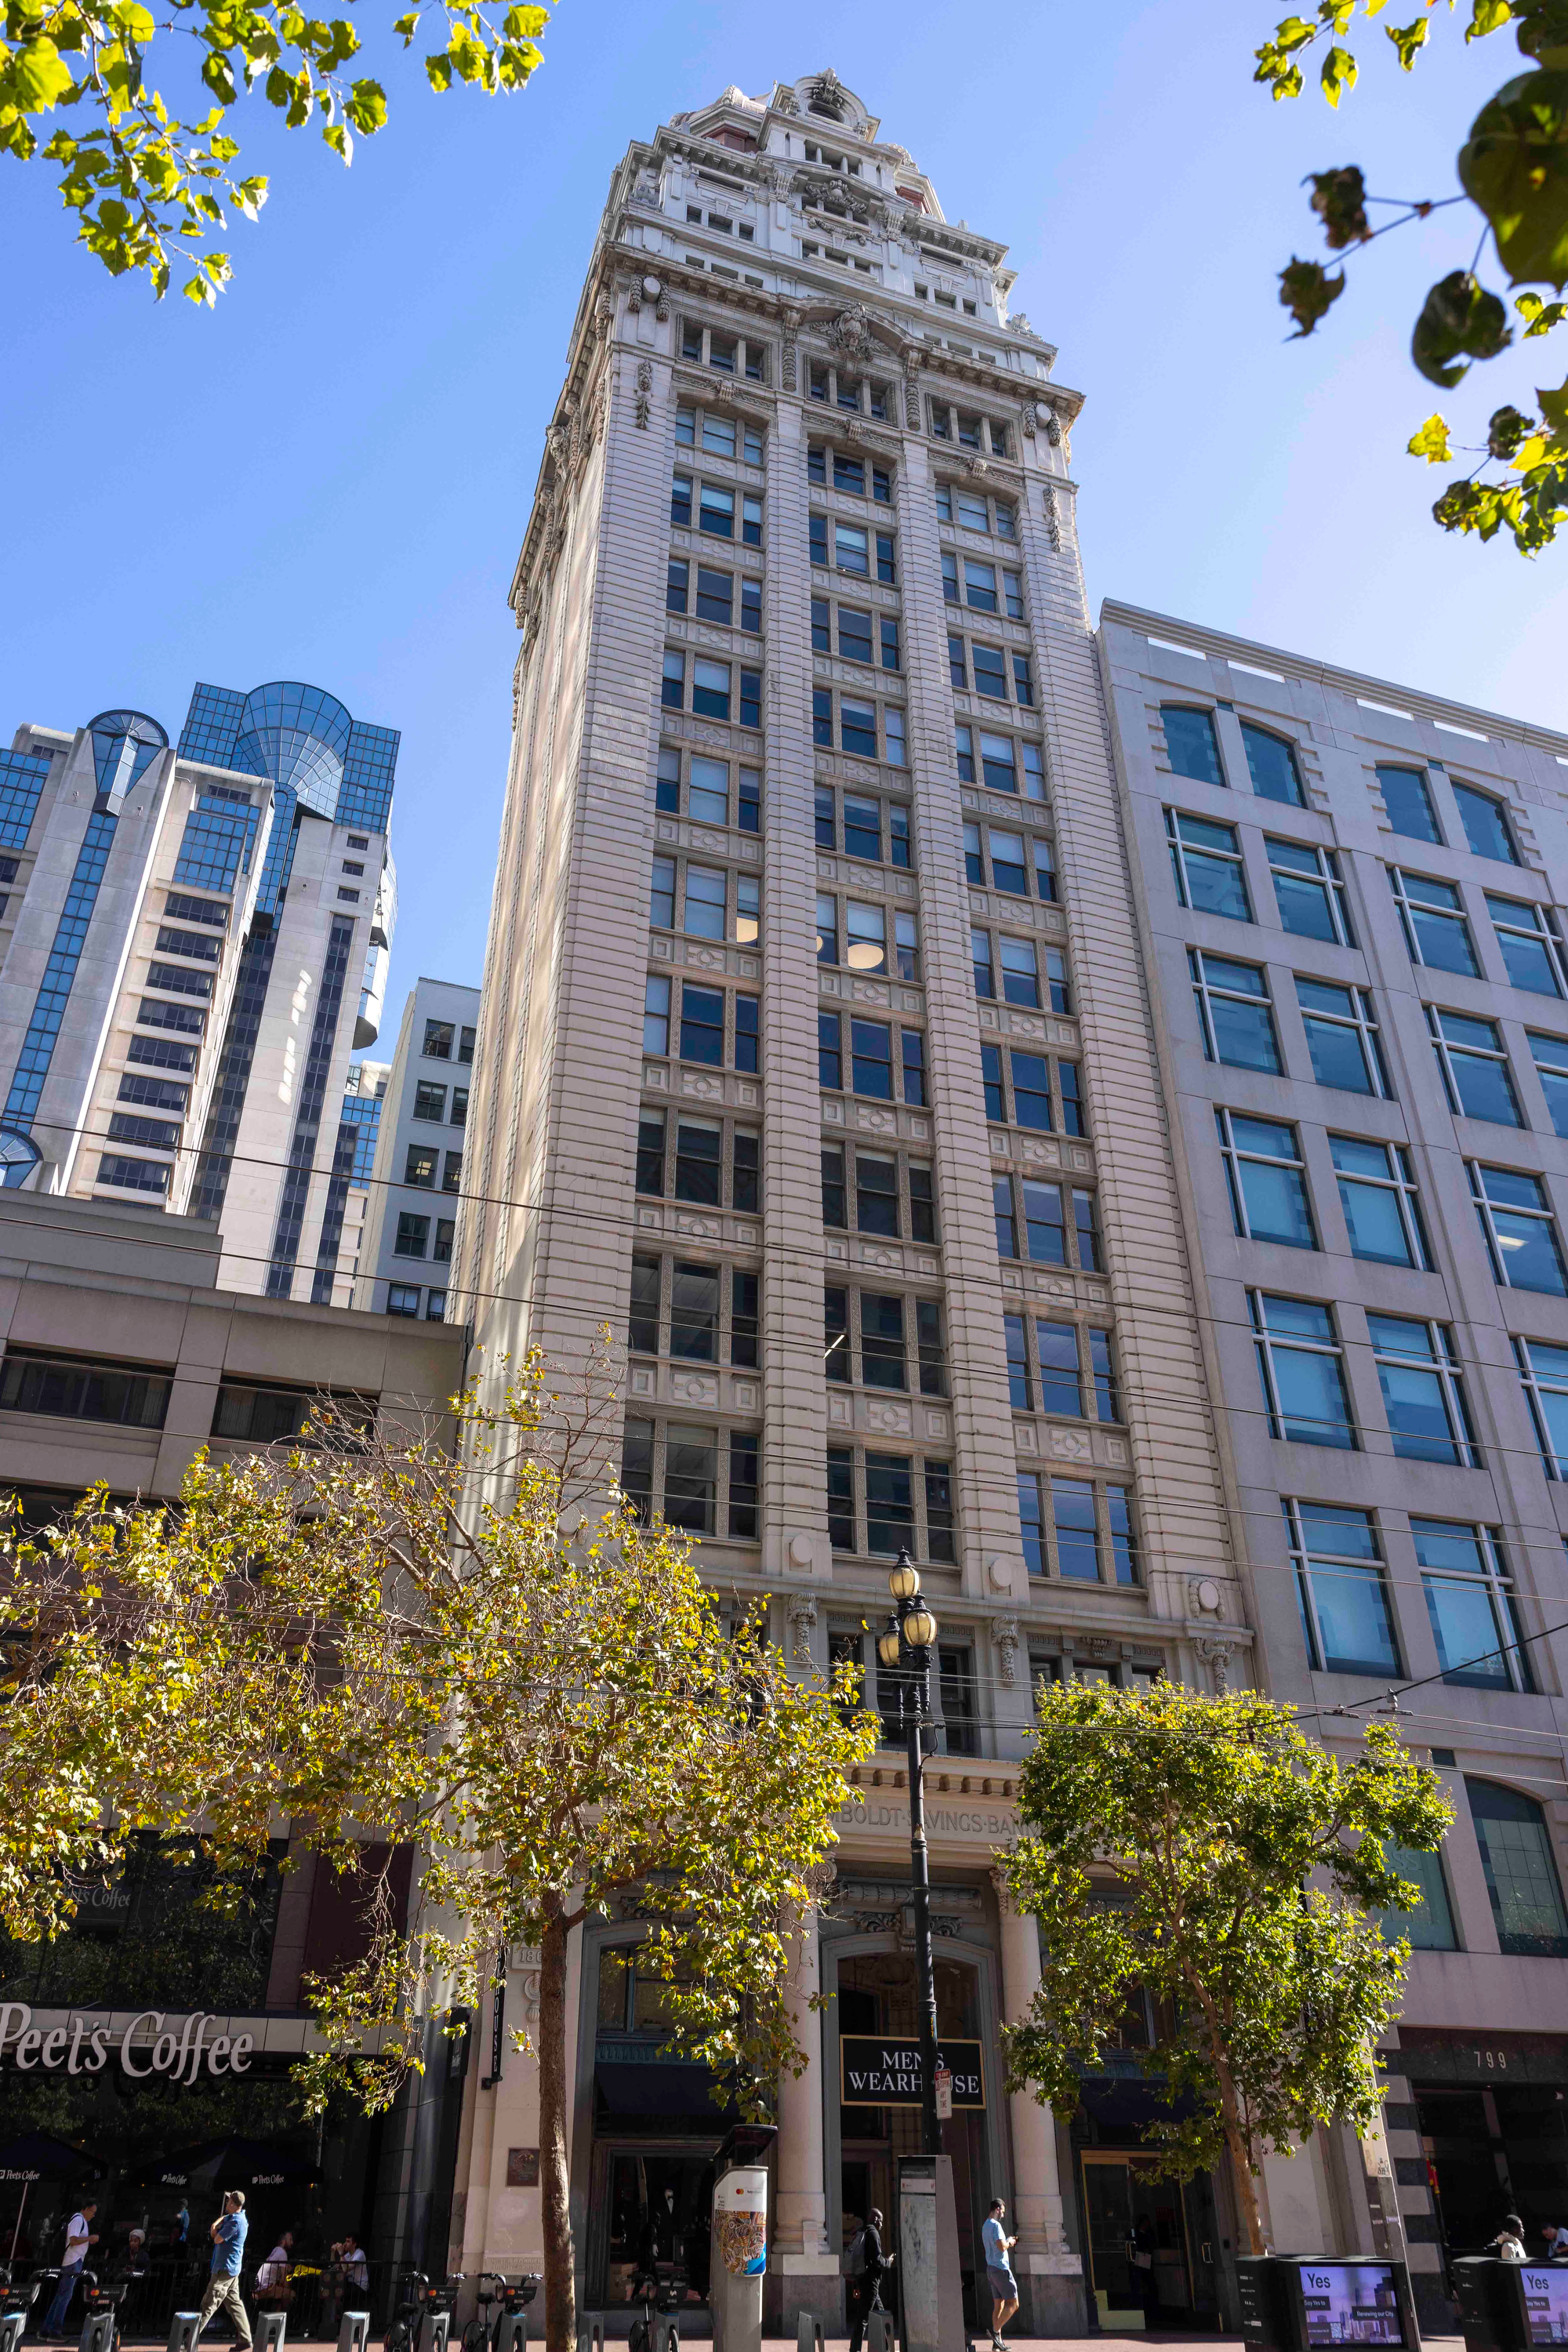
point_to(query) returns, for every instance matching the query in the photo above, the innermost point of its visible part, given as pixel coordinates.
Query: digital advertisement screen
(1545, 2292)
(1347, 2304)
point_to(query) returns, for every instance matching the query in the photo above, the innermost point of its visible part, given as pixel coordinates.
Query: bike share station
(1293, 2302)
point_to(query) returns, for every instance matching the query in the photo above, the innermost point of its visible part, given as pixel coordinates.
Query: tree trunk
(554, 2185)
(1235, 2140)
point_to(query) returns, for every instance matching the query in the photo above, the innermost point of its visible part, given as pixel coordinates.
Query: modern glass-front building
(193, 939)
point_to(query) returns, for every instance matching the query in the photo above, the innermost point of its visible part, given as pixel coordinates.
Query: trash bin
(1293, 2303)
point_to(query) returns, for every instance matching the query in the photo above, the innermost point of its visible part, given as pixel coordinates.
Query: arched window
(1271, 763)
(1487, 828)
(1520, 1874)
(1190, 740)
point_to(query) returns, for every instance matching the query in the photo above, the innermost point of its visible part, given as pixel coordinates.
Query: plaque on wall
(522, 2167)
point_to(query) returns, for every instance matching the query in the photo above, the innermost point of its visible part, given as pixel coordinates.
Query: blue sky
(329, 478)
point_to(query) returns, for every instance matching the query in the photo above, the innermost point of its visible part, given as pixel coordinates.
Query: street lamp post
(905, 1647)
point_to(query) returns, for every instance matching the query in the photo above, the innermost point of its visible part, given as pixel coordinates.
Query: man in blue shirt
(999, 2276)
(229, 2233)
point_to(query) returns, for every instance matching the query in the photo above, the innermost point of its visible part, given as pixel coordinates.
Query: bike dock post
(879, 2331)
(593, 2337)
(353, 2335)
(808, 2333)
(433, 2330)
(513, 2332)
(13, 2326)
(270, 2331)
(183, 2329)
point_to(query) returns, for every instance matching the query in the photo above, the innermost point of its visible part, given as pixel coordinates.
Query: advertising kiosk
(1504, 2307)
(1290, 2303)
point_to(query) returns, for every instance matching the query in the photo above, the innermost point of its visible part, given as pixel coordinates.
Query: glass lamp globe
(887, 1646)
(920, 1628)
(905, 1580)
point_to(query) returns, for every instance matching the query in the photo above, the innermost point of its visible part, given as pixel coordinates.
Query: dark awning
(669, 2087)
(38, 2156)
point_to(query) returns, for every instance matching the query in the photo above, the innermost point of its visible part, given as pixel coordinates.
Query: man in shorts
(999, 2270)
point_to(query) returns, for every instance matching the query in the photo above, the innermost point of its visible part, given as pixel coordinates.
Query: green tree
(542, 1699)
(1514, 170)
(1206, 1851)
(149, 181)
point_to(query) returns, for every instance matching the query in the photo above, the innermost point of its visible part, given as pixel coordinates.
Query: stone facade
(1362, 881)
(807, 472)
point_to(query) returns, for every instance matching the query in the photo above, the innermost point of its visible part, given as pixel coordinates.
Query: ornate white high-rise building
(814, 1058)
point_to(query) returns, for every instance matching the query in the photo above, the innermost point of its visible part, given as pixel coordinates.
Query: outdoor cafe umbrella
(38, 2156)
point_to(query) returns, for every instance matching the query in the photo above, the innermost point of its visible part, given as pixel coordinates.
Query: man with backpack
(865, 2267)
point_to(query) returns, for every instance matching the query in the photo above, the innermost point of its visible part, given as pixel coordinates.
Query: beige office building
(814, 1057)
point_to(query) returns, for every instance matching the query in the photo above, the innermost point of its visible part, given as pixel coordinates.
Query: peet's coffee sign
(878, 2073)
(177, 2048)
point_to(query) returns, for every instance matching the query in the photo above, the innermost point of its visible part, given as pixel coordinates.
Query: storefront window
(145, 1935)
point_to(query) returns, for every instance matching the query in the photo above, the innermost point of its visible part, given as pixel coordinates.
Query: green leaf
(1554, 408)
(365, 106)
(35, 77)
(406, 26)
(1337, 73)
(1306, 290)
(440, 69)
(1409, 38)
(1338, 199)
(1459, 321)
(1514, 166)
(338, 138)
(1487, 16)
(1542, 316)
(1507, 432)
(1431, 442)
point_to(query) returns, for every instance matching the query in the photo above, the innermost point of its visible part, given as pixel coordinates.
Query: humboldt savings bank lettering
(177, 2049)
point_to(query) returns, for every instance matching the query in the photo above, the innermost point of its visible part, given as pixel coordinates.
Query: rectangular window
(835, 1195)
(413, 1237)
(745, 1484)
(1435, 932)
(1205, 859)
(76, 1388)
(716, 511)
(1267, 1179)
(403, 1298)
(715, 595)
(1061, 1386)
(889, 628)
(871, 1059)
(672, 691)
(1543, 1373)
(1519, 1229)
(420, 1166)
(990, 672)
(1423, 1391)
(650, 1153)
(851, 548)
(701, 1024)
(1377, 1193)
(437, 1046)
(1551, 1058)
(1342, 1037)
(711, 688)
(699, 1160)
(1020, 1386)
(1469, 1599)
(1234, 1016)
(1309, 891)
(676, 588)
(1340, 1589)
(430, 1103)
(655, 1014)
(830, 1052)
(680, 501)
(1301, 1367)
(1528, 939)
(694, 1312)
(1474, 1067)
(642, 1330)
(1430, 1927)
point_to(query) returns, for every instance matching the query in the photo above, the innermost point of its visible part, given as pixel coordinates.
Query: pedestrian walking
(999, 2276)
(80, 2235)
(865, 2266)
(228, 2235)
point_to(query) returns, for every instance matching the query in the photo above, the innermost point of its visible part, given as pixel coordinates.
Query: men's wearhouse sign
(151, 2044)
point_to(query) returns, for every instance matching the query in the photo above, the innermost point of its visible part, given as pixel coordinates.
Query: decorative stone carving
(1204, 1593)
(1216, 1654)
(821, 1879)
(913, 362)
(802, 1618)
(1005, 1634)
(792, 319)
(786, 102)
(1003, 1892)
(1053, 519)
(643, 397)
